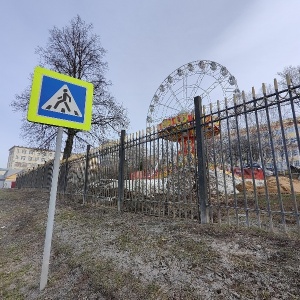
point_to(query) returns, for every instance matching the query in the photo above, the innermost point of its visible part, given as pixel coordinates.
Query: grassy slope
(100, 254)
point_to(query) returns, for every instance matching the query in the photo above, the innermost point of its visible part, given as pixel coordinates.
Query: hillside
(98, 253)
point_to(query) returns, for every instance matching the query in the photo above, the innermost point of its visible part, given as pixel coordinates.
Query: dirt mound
(284, 185)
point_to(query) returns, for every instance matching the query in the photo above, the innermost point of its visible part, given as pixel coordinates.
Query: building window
(23, 157)
(17, 157)
(290, 129)
(29, 158)
(24, 151)
(30, 151)
(293, 140)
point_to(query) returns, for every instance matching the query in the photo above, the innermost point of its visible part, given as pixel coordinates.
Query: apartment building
(27, 158)
(291, 142)
(285, 143)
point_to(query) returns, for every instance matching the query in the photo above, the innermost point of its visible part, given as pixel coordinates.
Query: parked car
(255, 165)
(270, 171)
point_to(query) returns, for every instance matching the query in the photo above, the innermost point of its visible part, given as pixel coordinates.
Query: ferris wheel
(207, 79)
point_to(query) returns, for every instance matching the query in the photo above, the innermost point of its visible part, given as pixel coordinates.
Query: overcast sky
(146, 41)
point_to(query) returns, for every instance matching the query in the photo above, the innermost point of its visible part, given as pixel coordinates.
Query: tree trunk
(69, 143)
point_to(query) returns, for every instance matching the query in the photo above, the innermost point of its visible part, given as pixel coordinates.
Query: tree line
(76, 51)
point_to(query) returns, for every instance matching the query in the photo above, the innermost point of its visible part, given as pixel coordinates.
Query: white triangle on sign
(63, 102)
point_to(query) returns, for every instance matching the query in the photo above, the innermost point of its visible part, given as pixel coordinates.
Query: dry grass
(98, 253)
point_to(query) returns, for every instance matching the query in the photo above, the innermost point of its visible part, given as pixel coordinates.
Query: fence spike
(253, 92)
(275, 84)
(264, 89)
(234, 99)
(288, 79)
(243, 96)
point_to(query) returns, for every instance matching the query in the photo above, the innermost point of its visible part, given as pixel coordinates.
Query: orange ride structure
(181, 129)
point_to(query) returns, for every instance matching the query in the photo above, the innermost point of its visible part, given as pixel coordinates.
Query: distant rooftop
(31, 148)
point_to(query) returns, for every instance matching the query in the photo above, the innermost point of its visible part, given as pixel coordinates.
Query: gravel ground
(98, 253)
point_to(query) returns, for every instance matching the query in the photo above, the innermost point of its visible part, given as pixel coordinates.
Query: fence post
(66, 175)
(202, 169)
(121, 171)
(50, 169)
(88, 147)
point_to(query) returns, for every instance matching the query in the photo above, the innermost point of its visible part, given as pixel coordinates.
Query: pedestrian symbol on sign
(63, 99)
(63, 102)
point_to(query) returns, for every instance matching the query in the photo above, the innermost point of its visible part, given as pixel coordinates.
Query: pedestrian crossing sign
(60, 100)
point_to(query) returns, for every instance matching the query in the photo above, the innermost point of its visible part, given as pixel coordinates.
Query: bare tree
(75, 51)
(294, 74)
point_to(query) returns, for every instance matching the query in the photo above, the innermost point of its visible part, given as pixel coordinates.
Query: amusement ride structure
(171, 110)
(173, 102)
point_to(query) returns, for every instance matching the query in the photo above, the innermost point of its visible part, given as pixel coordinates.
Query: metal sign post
(63, 101)
(51, 211)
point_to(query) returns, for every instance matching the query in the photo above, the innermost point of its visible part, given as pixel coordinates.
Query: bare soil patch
(271, 182)
(98, 253)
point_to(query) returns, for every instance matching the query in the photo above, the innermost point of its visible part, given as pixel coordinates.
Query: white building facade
(27, 158)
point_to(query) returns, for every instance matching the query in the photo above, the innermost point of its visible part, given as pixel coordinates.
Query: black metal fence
(234, 163)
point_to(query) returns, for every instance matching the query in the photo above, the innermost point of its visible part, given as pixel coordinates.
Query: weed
(197, 253)
(12, 280)
(66, 215)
